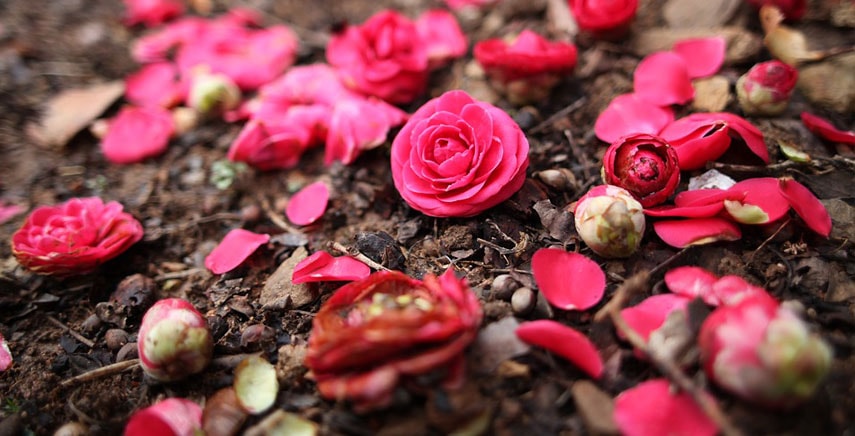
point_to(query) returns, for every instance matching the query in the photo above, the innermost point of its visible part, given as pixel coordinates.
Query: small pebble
(115, 339)
(523, 301)
(72, 429)
(127, 352)
(91, 324)
(503, 286)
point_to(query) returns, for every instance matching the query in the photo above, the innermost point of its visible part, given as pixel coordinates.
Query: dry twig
(103, 371)
(357, 255)
(83, 339)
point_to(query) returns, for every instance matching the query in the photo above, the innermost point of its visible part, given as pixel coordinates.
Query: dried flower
(174, 340)
(765, 89)
(173, 416)
(74, 237)
(645, 165)
(457, 157)
(610, 220)
(607, 20)
(375, 332)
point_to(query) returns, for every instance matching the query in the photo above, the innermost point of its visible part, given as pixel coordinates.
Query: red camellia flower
(604, 19)
(457, 156)
(74, 237)
(374, 332)
(528, 67)
(645, 165)
(765, 89)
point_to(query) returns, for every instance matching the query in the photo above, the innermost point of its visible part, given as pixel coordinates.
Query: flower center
(381, 303)
(445, 149)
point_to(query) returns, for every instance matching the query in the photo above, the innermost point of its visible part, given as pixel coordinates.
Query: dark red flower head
(645, 165)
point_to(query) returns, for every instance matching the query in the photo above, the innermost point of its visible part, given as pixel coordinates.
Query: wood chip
(279, 293)
(712, 94)
(70, 111)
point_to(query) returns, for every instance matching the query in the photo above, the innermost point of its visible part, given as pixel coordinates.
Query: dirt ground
(47, 47)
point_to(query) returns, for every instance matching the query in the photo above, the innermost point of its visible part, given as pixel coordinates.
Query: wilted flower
(765, 89)
(527, 67)
(74, 237)
(457, 157)
(174, 340)
(610, 220)
(762, 351)
(375, 332)
(607, 20)
(174, 416)
(645, 165)
(151, 12)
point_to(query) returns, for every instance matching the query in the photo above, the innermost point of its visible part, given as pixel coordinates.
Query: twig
(83, 339)
(357, 255)
(572, 107)
(275, 218)
(177, 274)
(670, 260)
(103, 371)
(769, 239)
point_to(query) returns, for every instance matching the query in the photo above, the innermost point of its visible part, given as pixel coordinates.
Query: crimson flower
(528, 67)
(645, 165)
(456, 157)
(608, 20)
(74, 237)
(374, 332)
(765, 89)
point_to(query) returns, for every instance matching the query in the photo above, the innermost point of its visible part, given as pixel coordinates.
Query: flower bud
(213, 93)
(765, 89)
(174, 340)
(762, 351)
(645, 165)
(610, 221)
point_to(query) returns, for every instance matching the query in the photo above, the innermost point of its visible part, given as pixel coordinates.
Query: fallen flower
(5, 354)
(765, 89)
(569, 281)
(151, 12)
(565, 342)
(662, 78)
(174, 340)
(652, 409)
(604, 20)
(74, 237)
(323, 267)
(627, 114)
(703, 56)
(443, 38)
(806, 205)
(236, 247)
(457, 156)
(308, 205)
(172, 416)
(696, 231)
(156, 84)
(375, 332)
(645, 165)
(825, 130)
(610, 221)
(137, 133)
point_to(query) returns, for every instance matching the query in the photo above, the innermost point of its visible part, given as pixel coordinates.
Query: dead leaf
(70, 111)
(712, 94)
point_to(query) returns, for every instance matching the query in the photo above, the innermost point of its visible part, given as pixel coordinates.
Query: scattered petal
(730, 290)
(137, 133)
(703, 56)
(825, 130)
(763, 201)
(806, 205)
(155, 84)
(627, 114)
(703, 197)
(651, 409)
(692, 282)
(552, 268)
(650, 314)
(151, 12)
(323, 267)
(9, 211)
(565, 342)
(309, 204)
(662, 78)
(235, 248)
(697, 140)
(172, 416)
(696, 231)
(5, 354)
(700, 211)
(743, 128)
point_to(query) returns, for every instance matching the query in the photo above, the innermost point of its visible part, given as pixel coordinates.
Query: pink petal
(5, 354)
(662, 78)
(703, 197)
(730, 290)
(172, 416)
(565, 342)
(752, 136)
(308, 205)
(650, 314)
(703, 56)
(697, 140)
(235, 248)
(692, 282)
(696, 231)
(442, 36)
(9, 211)
(553, 267)
(701, 211)
(137, 133)
(762, 192)
(825, 130)
(650, 409)
(323, 267)
(628, 114)
(809, 208)
(155, 84)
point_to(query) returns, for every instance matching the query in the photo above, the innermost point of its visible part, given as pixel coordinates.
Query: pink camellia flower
(762, 351)
(607, 20)
(74, 237)
(236, 247)
(662, 78)
(172, 416)
(357, 125)
(374, 333)
(155, 84)
(565, 342)
(526, 68)
(151, 12)
(825, 130)
(456, 157)
(645, 165)
(443, 37)
(792, 9)
(627, 114)
(551, 267)
(652, 409)
(277, 139)
(174, 340)
(323, 267)
(610, 221)
(383, 57)
(137, 133)
(765, 89)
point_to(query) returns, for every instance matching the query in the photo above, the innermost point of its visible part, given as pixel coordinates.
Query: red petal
(697, 140)
(806, 205)
(825, 130)
(696, 231)
(662, 78)
(308, 205)
(703, 56)
(172, 416)
(323, 267)
(235, 248)
(568, 280)
(692, 282)
(565, 342)
(762, 192)
(704, 197)
(650, 409)
(628, 114)
(730, 290)
(650, 314)
(752, 136)
(703, 211)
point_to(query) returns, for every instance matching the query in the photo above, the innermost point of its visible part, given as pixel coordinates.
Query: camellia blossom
(74, 237)
(652, 409)
(443, 37)
(565, 342)
(374, 333)
(151, 12)
(172, 416)
(610, 221)
(137, 133)
(236, 247)
(308, 205)
(662, 78)
(552, 267)
(825, 130)
(456, 157)
(645, 165)
(765, 89)
(174, 340)
(609, 20)
(627, 114)
(323, 267)
(156, 84)
(527, 67)
(762, 351)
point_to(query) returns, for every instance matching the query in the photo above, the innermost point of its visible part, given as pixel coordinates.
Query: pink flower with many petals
(765, 89)
(609, 20)
(137, 133)
(270, 143)
(151, 12)
(457, 156)
(645, 165)
(374, 333)
(74, 237)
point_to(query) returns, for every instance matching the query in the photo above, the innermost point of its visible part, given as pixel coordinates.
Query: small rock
(289, 366)
(127, 352)
(73, 428)
(381, 248)
(842, 218)
(596, 408)
(560, 179)
(523, 301)
(255, 335)
(496, 343)
(712, 94)
(135, 293)
(91, 324)
(115, 339)
(830, 84)
(280, 293)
